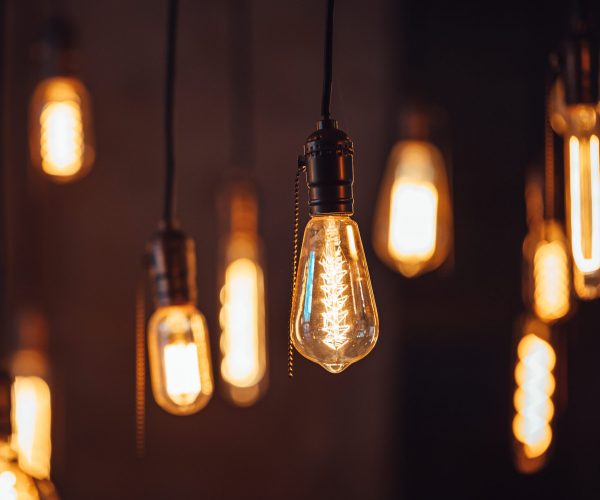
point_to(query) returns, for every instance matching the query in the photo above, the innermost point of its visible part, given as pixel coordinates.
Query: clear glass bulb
(179, 353)
(533, 397)
(580, 126)
(334, 315)
(242, 297)
(32, 424)
(61, 139)
(413, 222)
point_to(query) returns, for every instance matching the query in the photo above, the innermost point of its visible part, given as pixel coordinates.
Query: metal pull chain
(140, 373)
(301, 169)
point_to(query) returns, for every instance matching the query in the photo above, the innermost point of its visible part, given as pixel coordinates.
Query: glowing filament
(533, 397)
(31, 425)
(334, 289)
(551, 281)
(241, 365)
(413, 220)
(182, 372)
(61, 145)
(584, 182)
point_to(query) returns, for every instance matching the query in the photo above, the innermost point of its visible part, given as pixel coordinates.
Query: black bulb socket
(172, 267)
(329, 161)
(580, 64)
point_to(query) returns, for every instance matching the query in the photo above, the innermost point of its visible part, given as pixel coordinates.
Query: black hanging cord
(169, 208)
(327, 63)
(241, 82)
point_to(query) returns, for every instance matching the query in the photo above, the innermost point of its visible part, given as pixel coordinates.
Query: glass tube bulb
(334, 317)
(61, 141)
(546, 252)
(242, 296)
(533, 398)
(179, 355)
(580, 126)
(413, 222)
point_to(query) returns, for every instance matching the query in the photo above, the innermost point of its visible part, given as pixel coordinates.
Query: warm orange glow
(551, 275)
(533, 396)
(14, 485)
(180, 367)
(413, 223)
(60, 135)
(31, 420)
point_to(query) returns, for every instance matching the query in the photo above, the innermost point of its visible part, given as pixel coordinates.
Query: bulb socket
(56, 48)
(5, 405)
(580, 63)
(329, 161)
(172, 268)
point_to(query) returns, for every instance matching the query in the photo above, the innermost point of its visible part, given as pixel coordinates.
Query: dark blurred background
(427, 415)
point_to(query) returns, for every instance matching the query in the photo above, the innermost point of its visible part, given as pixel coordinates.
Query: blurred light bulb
(61, 140)
(242, 315)
(551, 275)
(535, 386)
(413, 222)
(179, 359)
(334, 315)
(31, 420)
(15, 485)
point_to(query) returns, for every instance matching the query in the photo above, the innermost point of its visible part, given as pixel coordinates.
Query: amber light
(413, 223)
(61, 140)
(533, 397)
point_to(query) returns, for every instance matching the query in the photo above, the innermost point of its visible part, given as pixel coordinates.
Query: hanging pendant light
(334, 318)
(575, 115)
(413, 221)
(61, 135)
(178, 346)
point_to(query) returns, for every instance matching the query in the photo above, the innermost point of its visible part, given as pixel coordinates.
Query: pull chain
(301, 169)
(140, 374)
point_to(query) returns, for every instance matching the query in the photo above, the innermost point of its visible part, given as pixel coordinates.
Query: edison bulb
(546, 249)
(533, 397)
(14, 484)
(334, 315)
(580, 126)
(61, 141)
(413, 223)
(31, 421)
(179, 357)
(242, 295)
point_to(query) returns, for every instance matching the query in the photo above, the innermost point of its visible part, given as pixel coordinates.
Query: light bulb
(14, 484)
(334, 316)
(31, 421)
(533, 397)
(551, 297)
(179, 359)
(242, 315)
(413, 222)
(61, 141)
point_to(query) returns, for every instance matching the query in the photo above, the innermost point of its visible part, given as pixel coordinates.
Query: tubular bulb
(533, 397)
(413, 223)
(61, 141)
(179, 357)
(242, 296)
(334, 316)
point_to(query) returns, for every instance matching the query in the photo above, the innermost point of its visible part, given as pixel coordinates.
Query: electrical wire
(169, 208)
(327, 62)
(549, 163)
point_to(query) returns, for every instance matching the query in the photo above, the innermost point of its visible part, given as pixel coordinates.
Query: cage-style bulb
(413, 223)
(334, 315)
(551, 274)
(533, 397)
(179, 355)
(61, 141)
(242, 296)
(31, 421)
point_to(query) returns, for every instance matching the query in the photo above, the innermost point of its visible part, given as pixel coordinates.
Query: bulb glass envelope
(579, 124)
(413, 222)
(60, 129)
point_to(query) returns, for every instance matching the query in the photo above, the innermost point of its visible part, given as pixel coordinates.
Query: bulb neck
(329, 161)
(580, 58)
(172, 268)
